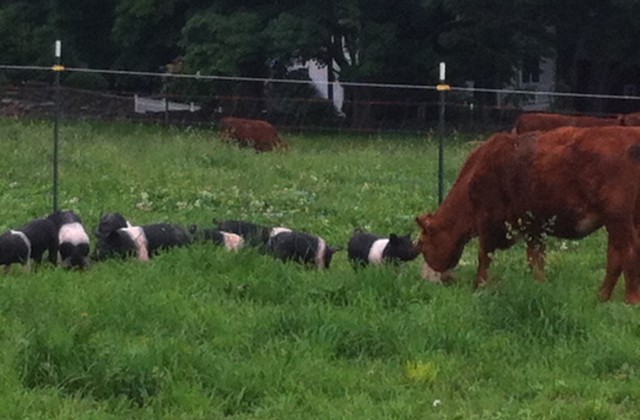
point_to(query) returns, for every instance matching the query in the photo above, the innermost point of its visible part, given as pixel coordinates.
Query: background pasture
(204, 333)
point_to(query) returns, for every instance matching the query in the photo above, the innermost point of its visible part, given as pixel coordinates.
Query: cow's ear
(424, 220)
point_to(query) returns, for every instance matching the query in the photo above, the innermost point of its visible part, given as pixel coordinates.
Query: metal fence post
(442, 89)
(57, 68)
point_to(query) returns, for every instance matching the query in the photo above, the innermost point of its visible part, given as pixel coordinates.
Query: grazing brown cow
(259, 134)
(540, 121)
(565, 183)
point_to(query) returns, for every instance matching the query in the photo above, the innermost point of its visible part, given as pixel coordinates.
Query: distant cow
(565, 183)
(259, 134)
(541, 121)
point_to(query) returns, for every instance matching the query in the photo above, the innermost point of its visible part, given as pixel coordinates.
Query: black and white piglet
(301, 247)
(367, 248)
(109, 222)
(230, 241)
(29, 243)
(73, 241)
(115, 240)
(254, 234)
(118, 237)
(161, 236)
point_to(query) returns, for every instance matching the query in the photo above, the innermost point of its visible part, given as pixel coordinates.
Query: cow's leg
(631, 269)
(535, 259)
(486, 248)
(632, 289)
(620, 249)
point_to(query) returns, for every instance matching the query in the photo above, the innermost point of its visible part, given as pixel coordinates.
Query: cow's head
(441, 253)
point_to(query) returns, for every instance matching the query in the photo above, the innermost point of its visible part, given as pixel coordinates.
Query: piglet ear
(393, 237)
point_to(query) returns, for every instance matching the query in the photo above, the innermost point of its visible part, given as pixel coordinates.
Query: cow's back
(572, 179)
(540, 121)
(599, 162)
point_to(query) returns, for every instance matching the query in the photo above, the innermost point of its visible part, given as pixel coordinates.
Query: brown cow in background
(565, 183)
(259, 134)
(541, 121)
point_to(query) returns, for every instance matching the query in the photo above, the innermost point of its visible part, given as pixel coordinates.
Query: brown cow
(259, 134)
(540, 121)
(565, 183)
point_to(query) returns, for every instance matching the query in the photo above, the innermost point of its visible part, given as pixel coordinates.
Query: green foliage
(201, 332)
(26, 36)
(85, 26)
(497, 35)
(229, 45)
(146, 32)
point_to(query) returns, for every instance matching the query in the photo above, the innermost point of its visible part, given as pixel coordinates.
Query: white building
(319, 77)
(535, 75)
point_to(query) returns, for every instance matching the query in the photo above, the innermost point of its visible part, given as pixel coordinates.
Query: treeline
(592, 42)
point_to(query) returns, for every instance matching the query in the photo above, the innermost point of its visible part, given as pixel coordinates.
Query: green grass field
(204, 333)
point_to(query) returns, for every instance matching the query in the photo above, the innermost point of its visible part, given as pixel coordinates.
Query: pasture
(201, 332)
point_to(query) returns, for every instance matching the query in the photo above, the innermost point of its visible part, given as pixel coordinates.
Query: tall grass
(203, 333)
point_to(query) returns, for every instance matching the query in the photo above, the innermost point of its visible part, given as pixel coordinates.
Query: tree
(229, 41)
(146, 32)
(26, 35)
(595, 48)
(215, 43)
(85, 27)
(486, 41)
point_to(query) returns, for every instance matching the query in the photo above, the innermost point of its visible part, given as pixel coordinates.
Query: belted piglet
(368, 248)
(290, 245)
